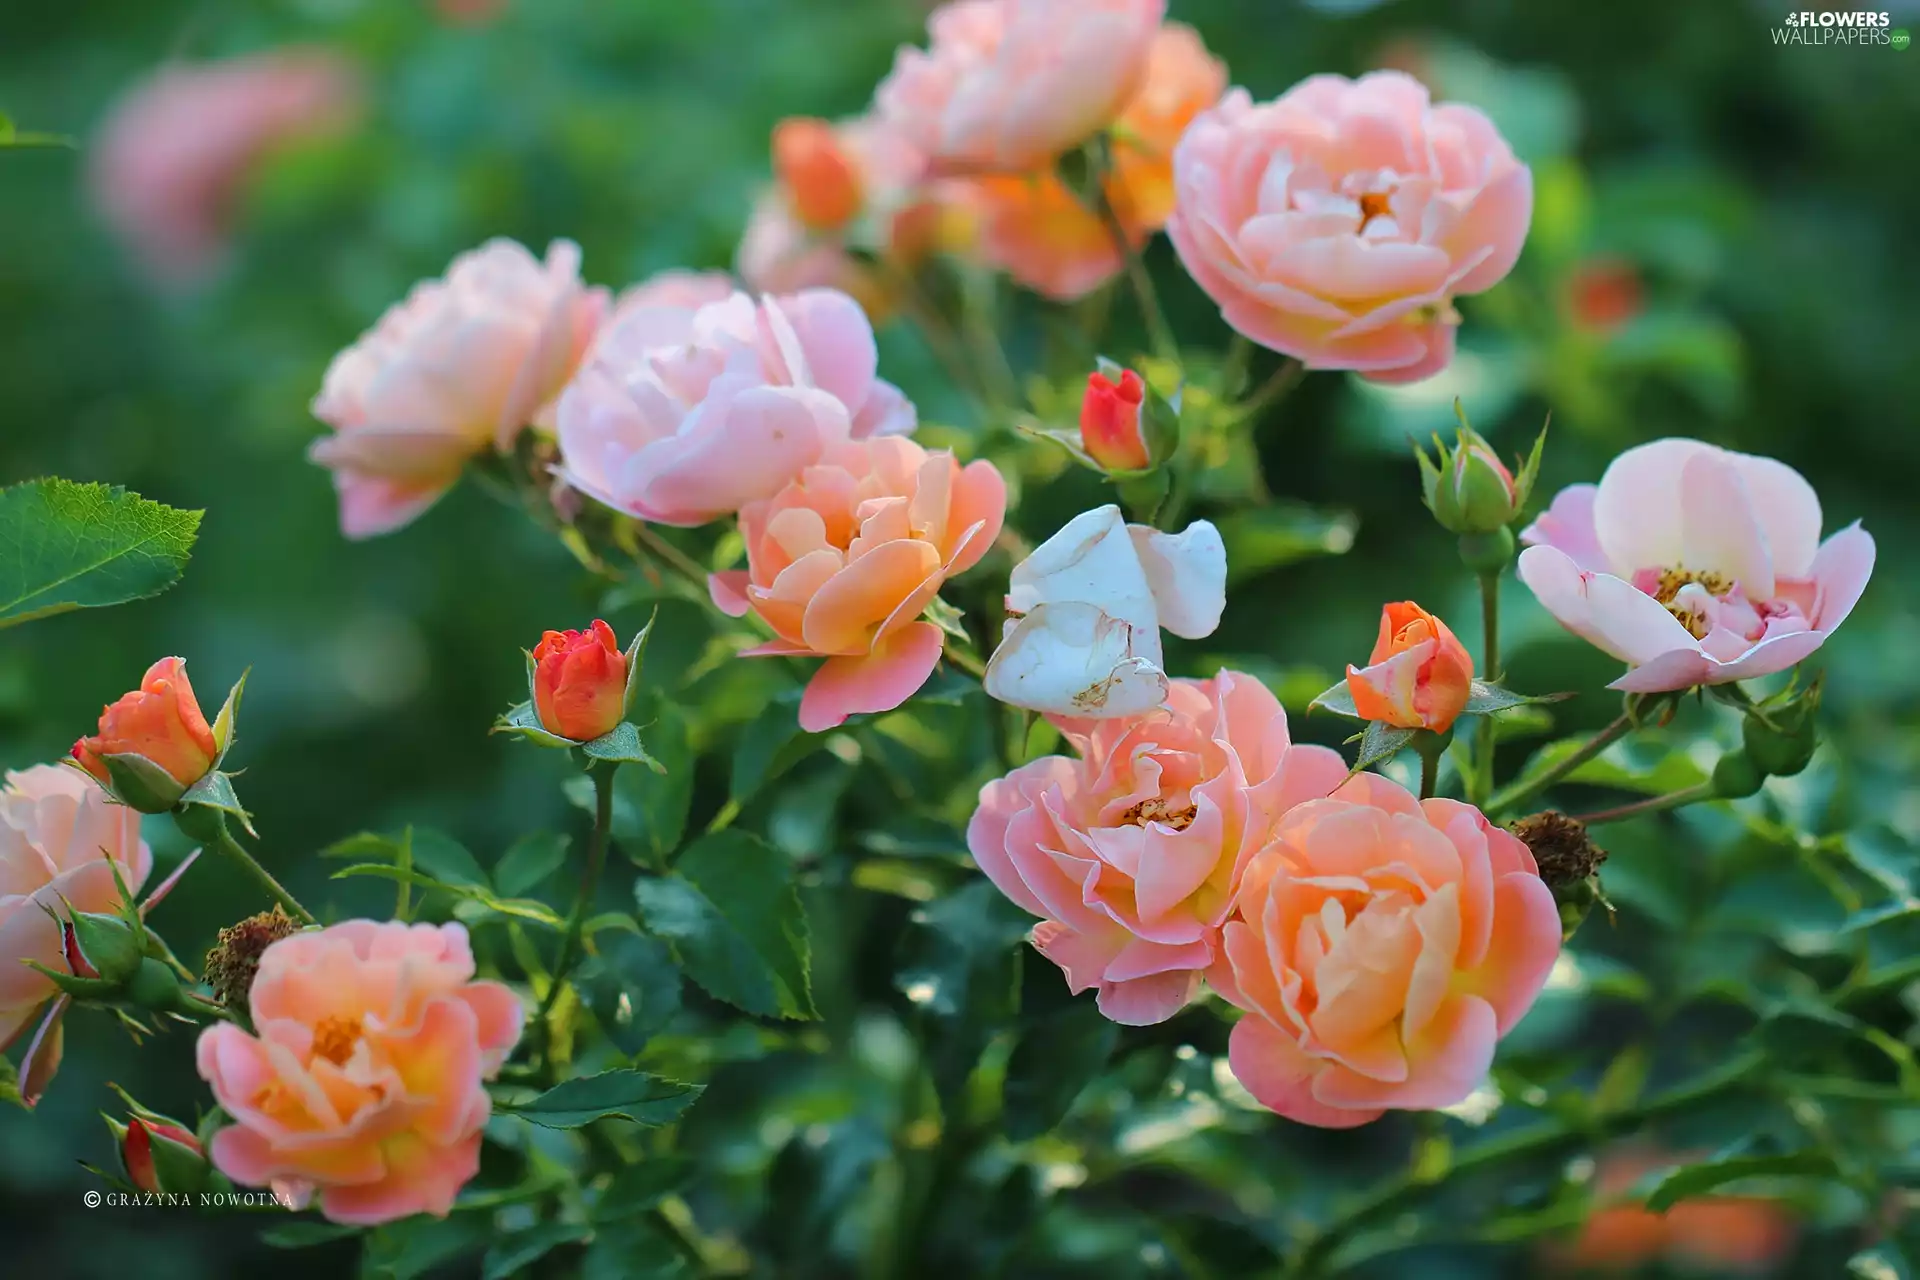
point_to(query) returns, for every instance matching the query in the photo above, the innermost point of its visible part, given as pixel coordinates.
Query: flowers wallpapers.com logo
(1859, 27)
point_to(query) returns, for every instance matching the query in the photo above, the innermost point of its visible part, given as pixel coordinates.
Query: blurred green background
(1760, 197)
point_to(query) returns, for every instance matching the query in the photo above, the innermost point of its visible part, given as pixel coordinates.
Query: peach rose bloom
(57, 833)
(688, 290)
(1382, 946)
(365, 1083)
(1695, 565)
(684, 416)
(842, 562)
(1338, 223)
(1036, 230)
(1419, 676)
(1742, 1234)
(161, 720)
(170, 161)
(1008, 85)
(1131, 853)
(463, 363)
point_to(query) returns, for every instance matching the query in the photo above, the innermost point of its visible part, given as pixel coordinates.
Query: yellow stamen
(334, 1038)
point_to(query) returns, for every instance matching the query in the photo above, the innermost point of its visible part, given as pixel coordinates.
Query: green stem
(967, 660)
(1653, 804)
(1480, 785)
(1538, 1141)
(1165, 346)
(1429, 773)
(208, 825)
(1270, 393)
(602, 774)
(1520, 793)
(682, 563)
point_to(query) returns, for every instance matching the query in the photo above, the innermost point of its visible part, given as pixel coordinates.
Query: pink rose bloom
(365, 1083)
(1695, 565)
(842, 562)
(1010, 84)
(57, 832)
(684, 416)
(1133, 852)
(1382, 946)
(170, 161)
(1338, 222)
(687, 290)
(463, 363)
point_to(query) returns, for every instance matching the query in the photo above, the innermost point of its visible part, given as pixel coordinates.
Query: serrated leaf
(621, 746)
(1700, 1179)
(74, 546)
(530, 862)
(1337, 699)
(1381, 742)
(523, 721)
(520, 908)
(620, 1094)
(512, 1254)
(730, 910)
(1485, 699)
(769, 746)
(445, 858)
(633, 988)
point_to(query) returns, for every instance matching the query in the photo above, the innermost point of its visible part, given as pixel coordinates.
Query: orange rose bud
(1110, 422)
(821, 180)
(136, 1149)
(161, 721)
(1604, 293)
(580, 682)
(1419, 676)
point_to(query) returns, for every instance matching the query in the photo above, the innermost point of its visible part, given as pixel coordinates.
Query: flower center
(1669, 588)
(1157, 810)
(334, 1038)
(1374, 204)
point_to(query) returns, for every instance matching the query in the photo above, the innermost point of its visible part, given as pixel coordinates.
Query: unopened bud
(1467, 487)
(1110, 421)
(1781, 737)
(821, 180)
(1736, 776)
(160, 1155)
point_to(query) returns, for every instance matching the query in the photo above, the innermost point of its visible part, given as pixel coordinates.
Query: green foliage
(621, 1094)
(76, 546)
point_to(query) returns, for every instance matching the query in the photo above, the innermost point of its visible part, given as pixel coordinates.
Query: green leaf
(1700, 1179)
(76, 546)
(1882, 1262)
(1282, 533)
(529, 863)
(632, 1249)
(512, 1254)
(13, 138)
(769, 746)
(1903, 909)
(1050, 1066)
(963, 967)
(1381, 742)
(305, 1234)
(1337, 699)
(649, 808)
(445, 858)
(620, 1094)
(1653, 766)
(10, 1084)
(520, 908)
(415, 1246)
(730, 910)
(633, 988)
(621, 746)
(523, 721)
(1485, 699)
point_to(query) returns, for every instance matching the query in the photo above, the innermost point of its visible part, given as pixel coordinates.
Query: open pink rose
(1695, 565)
(170, 162)
(462, 364)
(689, 290)
(366, 1080)
(684, 416)
(1008, 85)
(842, 562)
(1132, 853)
(1338, 222)
(1382, 946)
(57, 832)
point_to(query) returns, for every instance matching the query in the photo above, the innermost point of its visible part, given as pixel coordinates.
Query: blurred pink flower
(1009, 85)
(684, 415)
(366, 1079)
(1132, 853)
(1337, 223)
(689, 290)
(169, 162)
(842, 562)
(1382, 946)
(462, 363)
(1695, 565)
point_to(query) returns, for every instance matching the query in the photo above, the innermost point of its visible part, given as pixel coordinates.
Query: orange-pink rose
(170, 161)
(1420, 675)
(1383, 946)
(843, 561)
(1132, 853)
(1338, 222)
(1008, 85)
(57, 834)
(464, 363)
(161, 722)
(365, 1083)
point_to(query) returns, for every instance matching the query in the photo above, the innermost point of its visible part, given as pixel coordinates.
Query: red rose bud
(1110, 422)
(1605, 293)
(821, 180)
(176, 1148)
(161, 724)
(580, 682)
